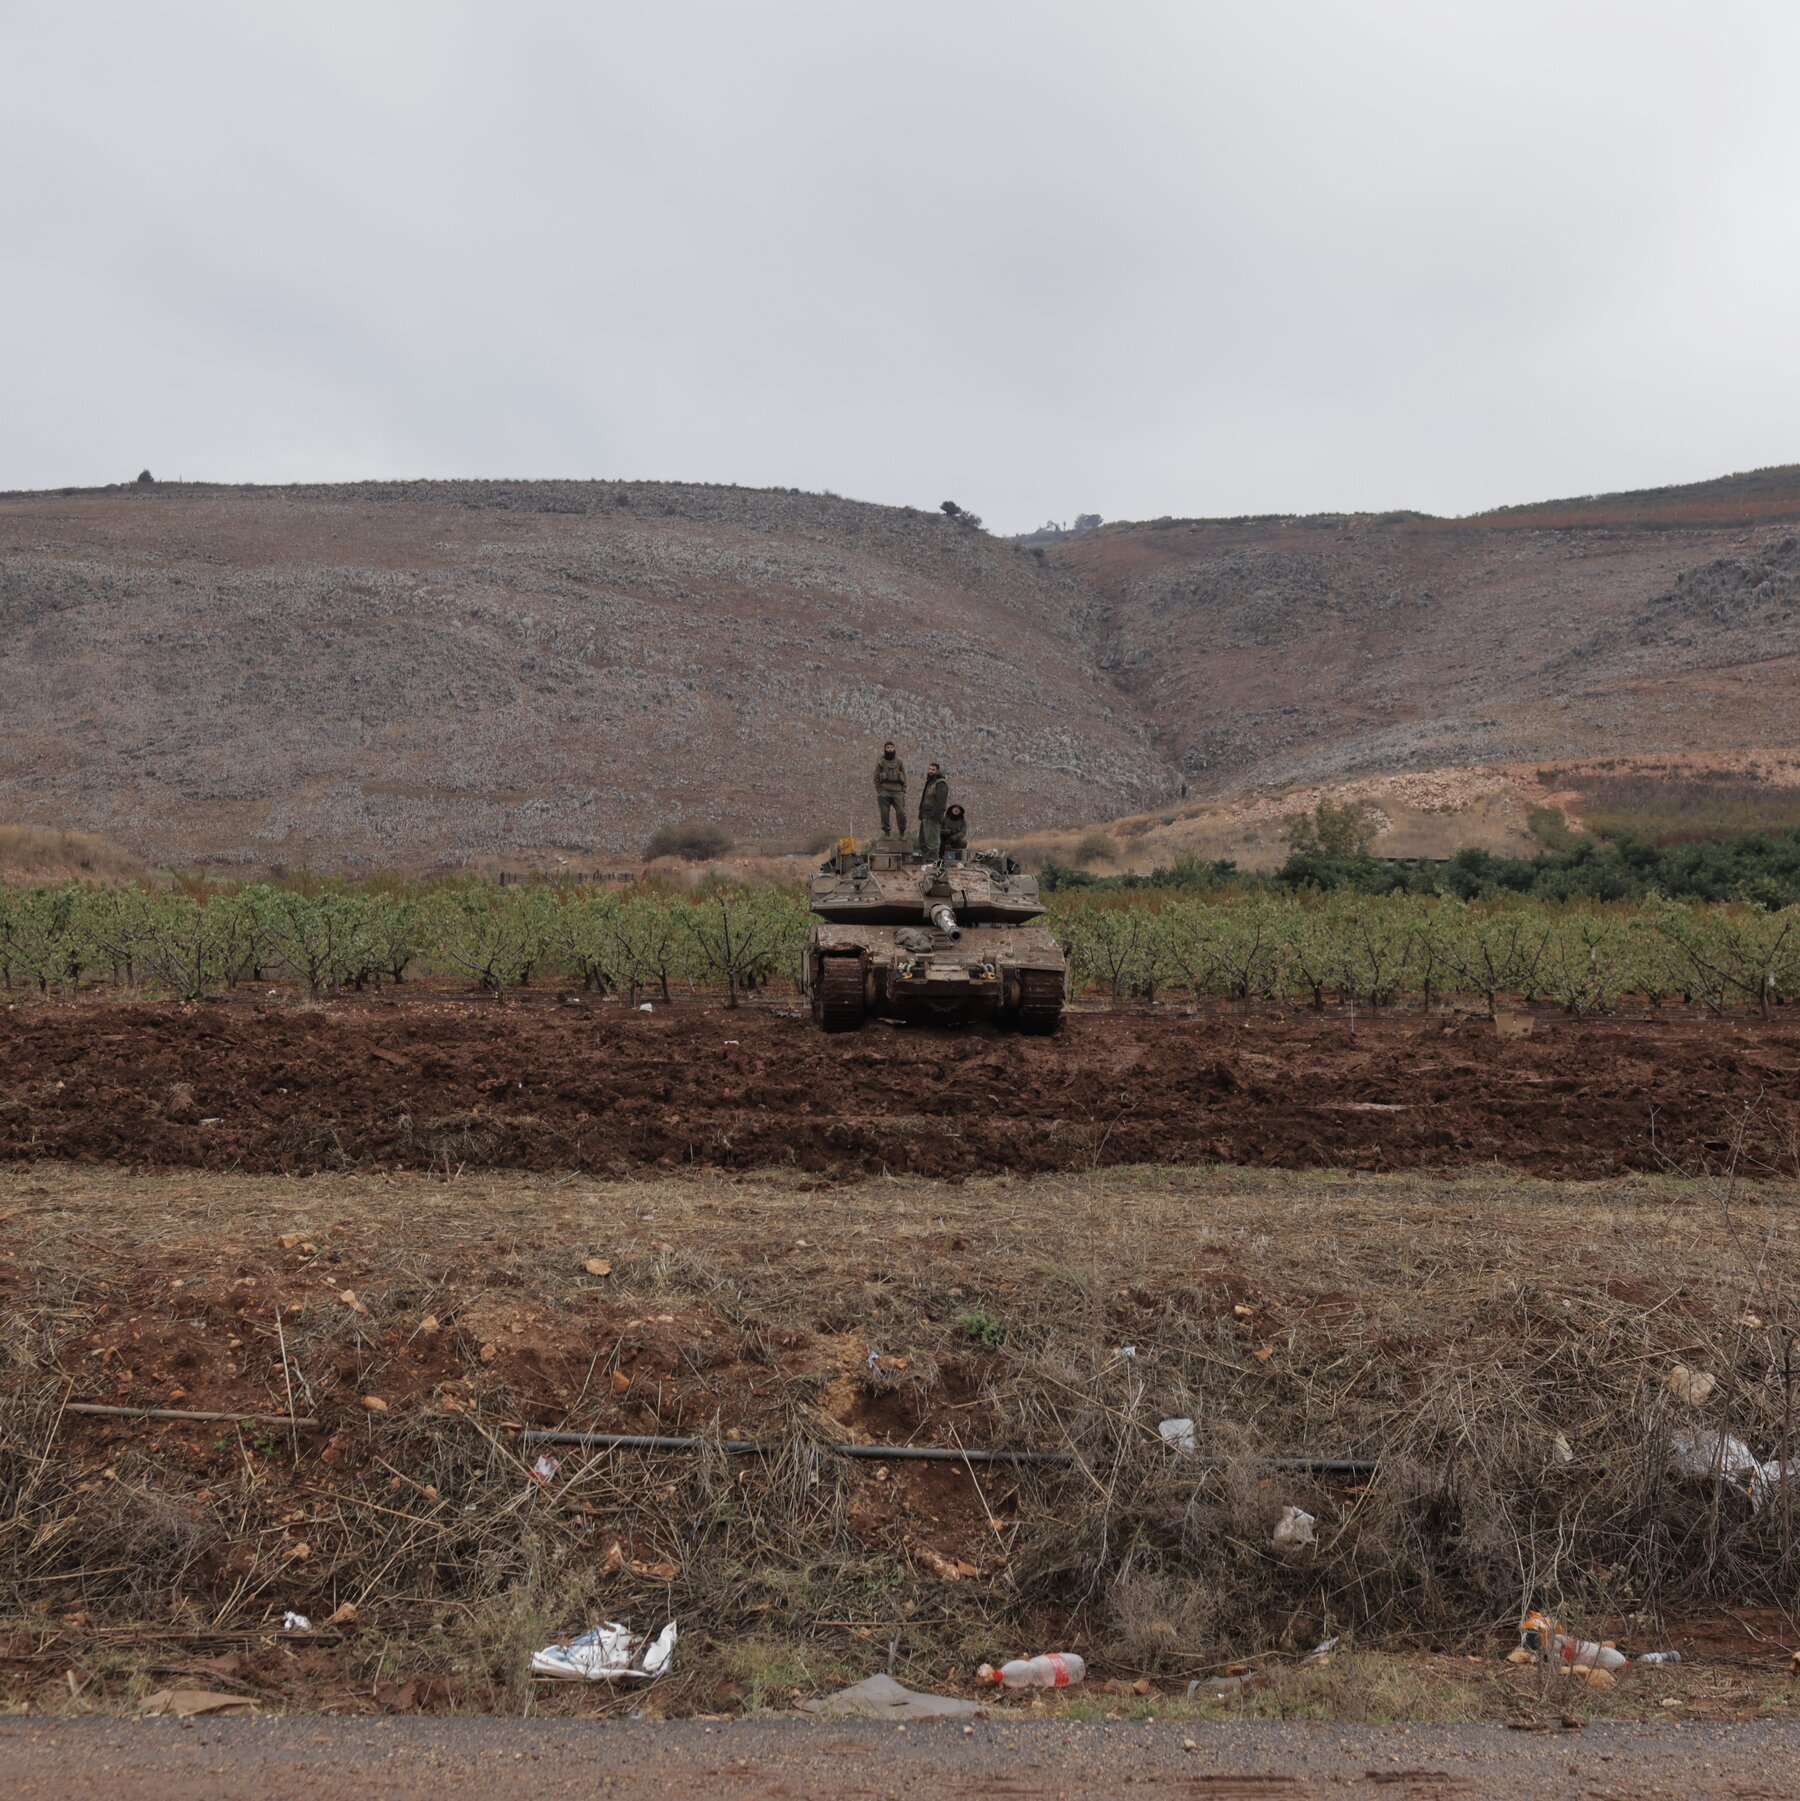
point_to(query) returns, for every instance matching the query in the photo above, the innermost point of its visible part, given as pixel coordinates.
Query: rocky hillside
(431, 674)
(1267, 652)
(427, 673)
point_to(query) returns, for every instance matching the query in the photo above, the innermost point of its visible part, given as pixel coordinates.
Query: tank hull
(1012, 974)
(897, 937)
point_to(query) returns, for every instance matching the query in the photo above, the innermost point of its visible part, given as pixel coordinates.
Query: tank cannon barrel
(945, 920)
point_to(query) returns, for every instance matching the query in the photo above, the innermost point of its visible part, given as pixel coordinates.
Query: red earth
(542, 1083)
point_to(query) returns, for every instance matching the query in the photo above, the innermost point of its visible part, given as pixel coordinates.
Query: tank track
(838, 995)
(1040, 1000)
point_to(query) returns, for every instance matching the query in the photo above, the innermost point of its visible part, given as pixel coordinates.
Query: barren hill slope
(1264, 652)
(433, 673)
(423, 672)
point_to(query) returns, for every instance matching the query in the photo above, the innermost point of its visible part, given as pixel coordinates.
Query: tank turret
(894, 936)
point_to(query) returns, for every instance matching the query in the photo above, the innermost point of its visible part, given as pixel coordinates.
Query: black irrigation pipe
(628, 1441)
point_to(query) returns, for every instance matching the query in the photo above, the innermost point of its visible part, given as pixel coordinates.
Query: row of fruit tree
(192, 941)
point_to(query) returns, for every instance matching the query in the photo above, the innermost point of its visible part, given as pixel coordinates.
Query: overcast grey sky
(1142, 257)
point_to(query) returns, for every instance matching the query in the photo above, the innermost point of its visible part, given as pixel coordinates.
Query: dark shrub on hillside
(696, 842)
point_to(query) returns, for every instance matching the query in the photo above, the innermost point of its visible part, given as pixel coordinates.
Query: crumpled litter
(645, 1007)
(607, 1654)
(1709, 1452)
(1178, 1435)
(882, 1698)
(295, 1622)
(184, 1703)
(1691, 1386)
(1294, 1530)
(1539, 1636)
(544, 1470)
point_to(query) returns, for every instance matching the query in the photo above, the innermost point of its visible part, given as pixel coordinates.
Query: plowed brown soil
(537, 1084)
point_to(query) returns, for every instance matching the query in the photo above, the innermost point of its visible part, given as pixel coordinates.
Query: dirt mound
(548, 1085)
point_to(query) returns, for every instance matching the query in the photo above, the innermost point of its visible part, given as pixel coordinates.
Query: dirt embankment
(448, 1084)
(1498, 1348)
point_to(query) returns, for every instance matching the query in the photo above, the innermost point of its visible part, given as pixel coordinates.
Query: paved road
(448, 1759)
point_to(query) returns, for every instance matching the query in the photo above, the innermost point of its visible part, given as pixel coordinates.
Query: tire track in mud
(428, 1081)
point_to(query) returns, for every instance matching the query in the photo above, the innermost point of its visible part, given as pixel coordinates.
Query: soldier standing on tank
(934, 797)
(955, 837)
(890, 790)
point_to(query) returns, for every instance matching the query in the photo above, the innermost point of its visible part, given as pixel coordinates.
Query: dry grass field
(1498, 1348)
(31, 853)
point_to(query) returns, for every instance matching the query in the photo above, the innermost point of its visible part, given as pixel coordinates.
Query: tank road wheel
(1040, 1000)
(838, 996)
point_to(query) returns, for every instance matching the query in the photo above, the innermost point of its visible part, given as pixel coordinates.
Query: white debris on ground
(1294, 1530)
(1711, 1453)
(1178, 1435)
(609, 1653)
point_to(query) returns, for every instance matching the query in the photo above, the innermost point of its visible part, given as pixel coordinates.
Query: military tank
(897, 937)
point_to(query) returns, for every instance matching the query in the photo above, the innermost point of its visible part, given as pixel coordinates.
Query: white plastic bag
(607, 1654)
(1712, 1453)
(1294, 1530)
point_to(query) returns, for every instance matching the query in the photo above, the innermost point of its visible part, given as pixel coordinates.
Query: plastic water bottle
(1589, 1656)
(1053, 1669)
(1659, 1657)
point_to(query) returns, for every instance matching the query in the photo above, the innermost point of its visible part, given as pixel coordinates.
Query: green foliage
(1376, 949)
(1307, 945)
(1664, 807)
(46, 938)
(1760, 868)
(184, 946)
(651, 944)
(1121, 949)
(1334, 828)
(743, 936)
(1095, 847)
(1740, 954)
(1548, 826)
(324, 939)
(581, 935)
(495, 937)
(1186, 874)
(982, 1329)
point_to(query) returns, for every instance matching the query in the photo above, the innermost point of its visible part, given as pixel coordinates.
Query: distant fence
(566, 875)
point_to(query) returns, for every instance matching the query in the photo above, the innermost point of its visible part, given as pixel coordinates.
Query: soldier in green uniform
(955, 837)
(934, 797)
(890, 790)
